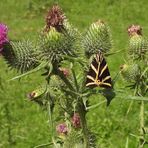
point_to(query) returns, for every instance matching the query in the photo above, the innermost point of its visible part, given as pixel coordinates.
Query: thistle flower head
(55, 18)
(3, 35)
(97, 37)
(21, 55)
(138, 44)
(76, 121)
(134, 30)
(62, 128)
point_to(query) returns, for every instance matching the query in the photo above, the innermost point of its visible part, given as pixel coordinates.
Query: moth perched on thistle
(96, 42)
(99, 74)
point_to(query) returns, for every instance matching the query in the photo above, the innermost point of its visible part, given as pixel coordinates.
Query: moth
(98, 74)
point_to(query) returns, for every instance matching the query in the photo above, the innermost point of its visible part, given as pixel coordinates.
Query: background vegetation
(23, 123)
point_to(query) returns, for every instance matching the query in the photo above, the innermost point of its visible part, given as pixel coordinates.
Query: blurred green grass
(24, 124)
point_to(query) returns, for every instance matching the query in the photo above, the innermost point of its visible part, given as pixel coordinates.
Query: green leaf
(75, 79)
(123, 95)
(43, 145)
(136, 98)
(112, 53)
(96, 105)
(126, 145)
(42, 65)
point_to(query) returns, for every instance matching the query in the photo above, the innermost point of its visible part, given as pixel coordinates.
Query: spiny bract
(54, 46)
(21, 55)
(138, 47)
(130, 73)
(97, 38)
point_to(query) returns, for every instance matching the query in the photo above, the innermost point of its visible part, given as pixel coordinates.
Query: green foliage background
(23, 123)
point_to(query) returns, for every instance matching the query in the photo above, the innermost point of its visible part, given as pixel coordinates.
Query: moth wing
(99, 71)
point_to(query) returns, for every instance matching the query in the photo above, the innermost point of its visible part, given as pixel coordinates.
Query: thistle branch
(82, 112)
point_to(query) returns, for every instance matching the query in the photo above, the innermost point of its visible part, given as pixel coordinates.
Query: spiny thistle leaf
(42, 96)
(138, 45)
(73, 140)
(97, 38)
(131, 73)
(69, 30)
(56, 82)
(20, 55)
(92, 140)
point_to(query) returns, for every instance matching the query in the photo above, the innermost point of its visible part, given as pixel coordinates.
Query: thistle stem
(65, 80)
(82, 113)
(141, 139)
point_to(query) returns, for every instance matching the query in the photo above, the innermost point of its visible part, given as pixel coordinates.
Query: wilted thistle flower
(76, 121)
(65, 71)
(55, 18)
(62, 129)
(3, 35)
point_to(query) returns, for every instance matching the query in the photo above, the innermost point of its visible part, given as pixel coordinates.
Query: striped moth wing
(98, 74)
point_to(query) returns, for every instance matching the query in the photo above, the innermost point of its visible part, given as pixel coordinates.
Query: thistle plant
(135, 72)
(65, 55)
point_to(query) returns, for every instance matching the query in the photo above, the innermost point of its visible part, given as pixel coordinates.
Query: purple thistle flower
(62, 128)
(76, 121)
(134, 30)
(3, 35)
